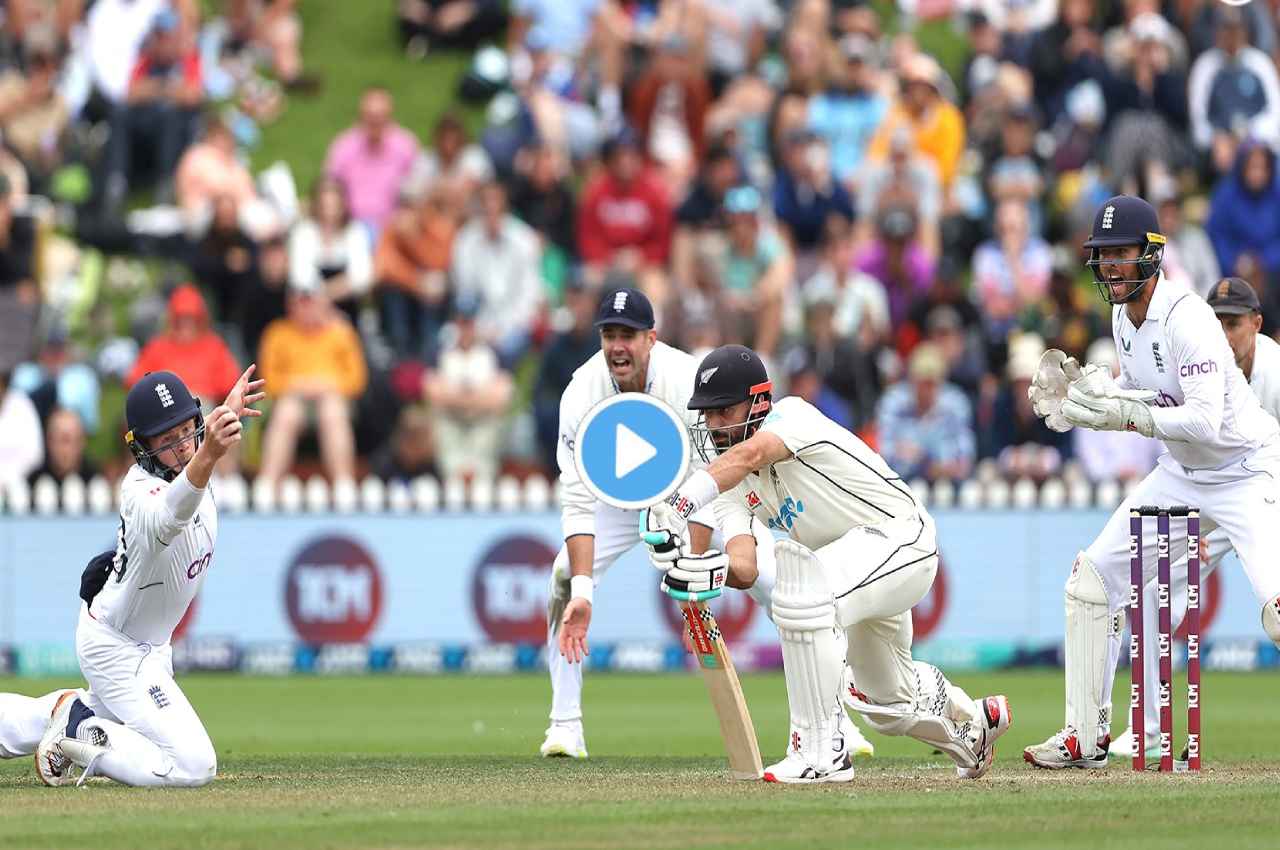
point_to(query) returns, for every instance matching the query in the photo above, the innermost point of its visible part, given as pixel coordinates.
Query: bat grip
(690, 596)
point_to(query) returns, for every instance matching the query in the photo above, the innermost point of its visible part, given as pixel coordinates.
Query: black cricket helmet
(1120, 221)
(158, 402)
(729, 375)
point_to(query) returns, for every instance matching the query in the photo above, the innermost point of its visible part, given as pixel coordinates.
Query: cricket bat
(736, 728)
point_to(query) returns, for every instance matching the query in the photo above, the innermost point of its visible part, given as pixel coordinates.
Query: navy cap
(1233, 296)
(1125, 220)
(627, 306)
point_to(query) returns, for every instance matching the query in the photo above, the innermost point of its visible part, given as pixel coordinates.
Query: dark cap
(728, 375)
(628, 307)
(1233, 296)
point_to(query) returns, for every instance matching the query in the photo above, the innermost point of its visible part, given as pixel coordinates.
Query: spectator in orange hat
(190, 348)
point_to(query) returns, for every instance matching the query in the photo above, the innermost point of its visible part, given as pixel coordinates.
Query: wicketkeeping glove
(699, 574)
(1117, 410)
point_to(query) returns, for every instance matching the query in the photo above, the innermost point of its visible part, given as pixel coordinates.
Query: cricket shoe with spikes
(1063, 750)
(564, 740)
(994, 719)
(1122, 747)
(835, 764)
(52, 766)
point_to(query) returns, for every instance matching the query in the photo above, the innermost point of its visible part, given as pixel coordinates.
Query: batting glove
(665, 531)
(697, 573)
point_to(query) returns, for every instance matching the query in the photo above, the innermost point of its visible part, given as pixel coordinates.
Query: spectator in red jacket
(189, 348)
(625, 219)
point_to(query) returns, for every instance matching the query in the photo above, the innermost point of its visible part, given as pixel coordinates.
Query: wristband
(582, 587)
(700, 489)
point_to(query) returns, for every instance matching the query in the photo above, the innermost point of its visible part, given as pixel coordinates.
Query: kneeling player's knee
(196, 765)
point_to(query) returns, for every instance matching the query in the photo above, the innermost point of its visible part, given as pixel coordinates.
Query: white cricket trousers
(1242, 499)
(877, 573)
(153, 733)
(23, 720)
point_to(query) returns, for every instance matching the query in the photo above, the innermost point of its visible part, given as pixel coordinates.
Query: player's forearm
(582, 554)
(743, 570)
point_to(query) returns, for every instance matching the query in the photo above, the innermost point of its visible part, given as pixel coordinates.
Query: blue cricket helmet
(1125, 220)
(158, 402)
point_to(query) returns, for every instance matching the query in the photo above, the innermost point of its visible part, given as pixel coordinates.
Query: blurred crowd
(893, 223)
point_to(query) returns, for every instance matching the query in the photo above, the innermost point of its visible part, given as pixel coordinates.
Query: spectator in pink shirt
(373, 159)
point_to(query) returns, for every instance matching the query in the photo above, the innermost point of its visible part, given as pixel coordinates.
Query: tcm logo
(509, 590)
(333, 591)
(1204, 367)
(733, 611)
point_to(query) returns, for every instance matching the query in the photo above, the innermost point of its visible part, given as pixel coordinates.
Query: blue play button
(632, 450)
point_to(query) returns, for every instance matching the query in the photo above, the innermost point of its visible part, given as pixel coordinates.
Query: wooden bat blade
(736, 728)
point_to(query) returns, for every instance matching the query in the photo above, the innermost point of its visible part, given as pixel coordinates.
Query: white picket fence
(986, 490)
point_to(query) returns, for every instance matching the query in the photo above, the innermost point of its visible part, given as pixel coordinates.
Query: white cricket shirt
(670, 378)
(832, 482)
(1204, 412)
(160, 562)
(1264, 378)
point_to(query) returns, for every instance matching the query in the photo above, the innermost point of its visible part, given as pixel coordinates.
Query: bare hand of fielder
(573, 630)
(246, 393)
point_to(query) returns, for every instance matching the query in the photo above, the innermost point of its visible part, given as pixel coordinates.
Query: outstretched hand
(573, 630)
(246, 393)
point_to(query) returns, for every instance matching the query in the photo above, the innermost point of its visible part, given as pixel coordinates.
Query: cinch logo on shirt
(786, 518)
(1204, 367)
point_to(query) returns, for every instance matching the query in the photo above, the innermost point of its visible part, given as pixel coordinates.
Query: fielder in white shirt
(1240, 312)
(1180, 383)
(133, 723)
(861, 551)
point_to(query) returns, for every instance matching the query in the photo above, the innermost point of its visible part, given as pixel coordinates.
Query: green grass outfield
(448, 762)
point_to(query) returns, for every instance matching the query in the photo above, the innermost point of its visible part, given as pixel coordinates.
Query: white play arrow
(630, 451)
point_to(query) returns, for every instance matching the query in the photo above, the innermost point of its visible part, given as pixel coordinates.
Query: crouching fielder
(861, 553)
(133, 723)
(1179, 383)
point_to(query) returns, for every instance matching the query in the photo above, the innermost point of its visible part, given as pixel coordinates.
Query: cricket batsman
(596, 534)
(861, 552)
(133, 723)
(1240, 312)
(1180, 383)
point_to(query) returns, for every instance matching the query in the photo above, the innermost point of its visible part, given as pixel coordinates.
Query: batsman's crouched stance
(862, 551)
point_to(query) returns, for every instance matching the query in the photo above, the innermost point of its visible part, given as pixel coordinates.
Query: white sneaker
(836, 766)
(1062, 750)
(1122, 747)
(564, 740)
(52, 766)
(994, 719)
(85, 753)
(853, 738)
